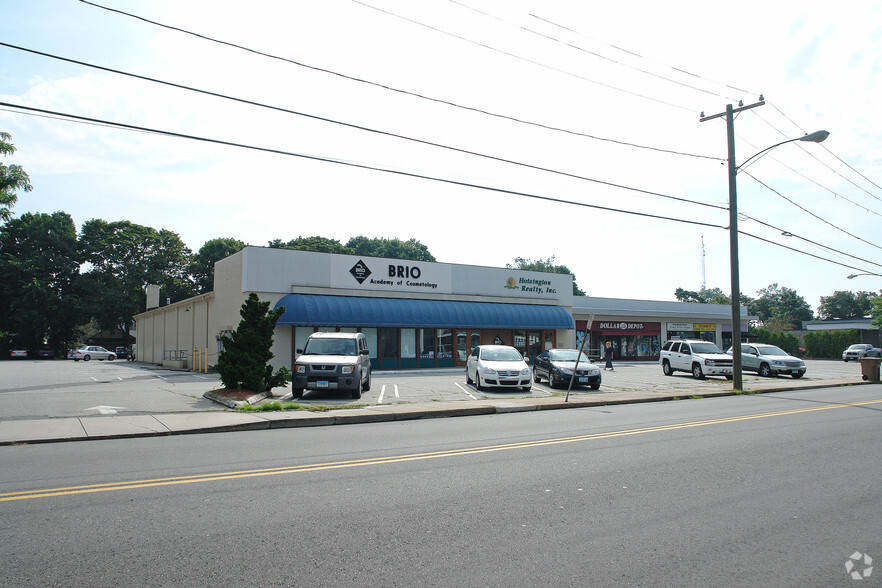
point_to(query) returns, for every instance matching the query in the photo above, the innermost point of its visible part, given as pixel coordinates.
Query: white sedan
(91, 352)
(498, 366)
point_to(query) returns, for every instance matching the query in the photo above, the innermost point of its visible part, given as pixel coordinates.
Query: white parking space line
(94, 378)
(396, 391)
(382, 391)
(472, 396)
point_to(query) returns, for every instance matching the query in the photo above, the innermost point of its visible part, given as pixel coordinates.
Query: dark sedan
(557, 365)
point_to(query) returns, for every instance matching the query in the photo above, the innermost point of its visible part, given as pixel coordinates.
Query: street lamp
(816, 137)
(853, 276)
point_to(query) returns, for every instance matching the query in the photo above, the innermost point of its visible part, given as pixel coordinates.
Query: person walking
(607, 355)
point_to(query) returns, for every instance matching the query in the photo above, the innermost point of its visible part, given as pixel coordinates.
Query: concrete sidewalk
(122, 426)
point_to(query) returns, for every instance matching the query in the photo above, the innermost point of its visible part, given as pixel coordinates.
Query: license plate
(583, 380)
(795, 371)
(321, 384)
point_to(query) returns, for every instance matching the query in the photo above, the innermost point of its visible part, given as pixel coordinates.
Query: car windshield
(500, 355)
(330, 347)
(771, 350)
(857, 347)
(567, 355)
(705, 348)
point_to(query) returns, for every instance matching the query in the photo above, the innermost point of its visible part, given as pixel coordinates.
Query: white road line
(382, 391)
(458, 385)
(118, 378)
(396, 391)
(94, 378)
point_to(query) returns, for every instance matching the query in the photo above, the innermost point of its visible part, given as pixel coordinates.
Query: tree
(244, 360)
(391, 248)
(845, 305)
(320, 244)
(876, 312)
(704, 296)
(12, 178)
(547, 266)
(202, 263)
(39, 279)
(124, 258)
(781, 303)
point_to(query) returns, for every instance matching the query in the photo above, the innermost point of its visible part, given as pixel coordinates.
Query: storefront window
(388, 341)
(445, 348)
(520, 342)
(426, 347)
(408, 348)
(371, 335)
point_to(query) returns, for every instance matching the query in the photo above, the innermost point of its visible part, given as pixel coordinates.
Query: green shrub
(830, 344)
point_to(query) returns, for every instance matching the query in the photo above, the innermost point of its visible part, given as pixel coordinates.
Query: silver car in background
(769, 361)
(91, 352)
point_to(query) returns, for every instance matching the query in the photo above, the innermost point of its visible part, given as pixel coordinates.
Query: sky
(485, 129)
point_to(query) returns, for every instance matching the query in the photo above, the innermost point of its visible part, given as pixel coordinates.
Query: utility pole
(737, 380)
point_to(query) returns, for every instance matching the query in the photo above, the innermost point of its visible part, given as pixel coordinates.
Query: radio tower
(703, 275)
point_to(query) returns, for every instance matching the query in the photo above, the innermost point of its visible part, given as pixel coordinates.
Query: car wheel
(729, 377)
(845, 359)
(528, 388)
(595, 386)
(666, 368)
(111, 357)
(697, 372)
(87, 357)
(798, 375)
(550, 380)
(296, 392)
(765, 371)
(468, 378)
(536, 377)
(478, 381)
(356, 392)
(367, 383)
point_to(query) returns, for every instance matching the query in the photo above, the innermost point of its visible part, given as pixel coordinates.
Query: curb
(161, 424)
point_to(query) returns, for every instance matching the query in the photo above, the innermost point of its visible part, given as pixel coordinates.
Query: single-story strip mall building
(416, 314)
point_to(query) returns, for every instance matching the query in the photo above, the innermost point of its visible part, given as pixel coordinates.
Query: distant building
(869, 334)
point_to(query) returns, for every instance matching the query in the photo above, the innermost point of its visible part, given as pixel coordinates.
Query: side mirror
(365, 352)
(298, 351)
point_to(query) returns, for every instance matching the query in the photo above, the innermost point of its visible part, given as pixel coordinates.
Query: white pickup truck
(701, 358)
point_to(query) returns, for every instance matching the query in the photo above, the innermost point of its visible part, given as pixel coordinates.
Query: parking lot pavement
(62, 388)
(60, 401)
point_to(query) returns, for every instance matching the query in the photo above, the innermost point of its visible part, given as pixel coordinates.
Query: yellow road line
(113, 486)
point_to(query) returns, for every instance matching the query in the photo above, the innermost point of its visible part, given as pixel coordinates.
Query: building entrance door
(465, 342)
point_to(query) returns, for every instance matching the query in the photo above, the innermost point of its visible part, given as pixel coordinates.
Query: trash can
(870, 368)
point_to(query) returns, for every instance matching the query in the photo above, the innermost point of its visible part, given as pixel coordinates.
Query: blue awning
(311, 310)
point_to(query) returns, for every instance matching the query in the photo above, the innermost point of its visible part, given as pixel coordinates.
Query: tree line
(58, 286)
(779, 308)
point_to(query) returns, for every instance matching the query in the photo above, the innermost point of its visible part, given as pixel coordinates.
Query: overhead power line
(629, 52)
(825, 221)
(520, 57)
(816, 158)
(843, 162)
(354, 126)
(586, 50)
(402, 91)
(88, 120)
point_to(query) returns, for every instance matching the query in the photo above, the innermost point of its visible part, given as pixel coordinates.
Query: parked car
(45, 354)
(859, 350)
(557, 365)
(91, 352)
(498, 366)
(701, 358)
(122, 352)
(769, 361)
(333, 361)
(18, 353)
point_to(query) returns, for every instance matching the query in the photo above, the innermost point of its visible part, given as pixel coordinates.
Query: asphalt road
(62, 388)
(773, 489)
